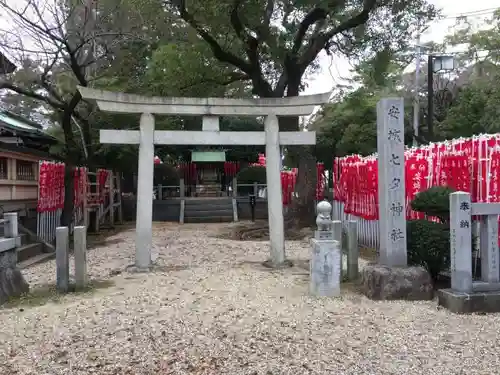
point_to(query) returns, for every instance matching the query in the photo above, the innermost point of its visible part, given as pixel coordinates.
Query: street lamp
(435, 64)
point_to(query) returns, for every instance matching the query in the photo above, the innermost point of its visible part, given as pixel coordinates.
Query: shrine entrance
(210, 109)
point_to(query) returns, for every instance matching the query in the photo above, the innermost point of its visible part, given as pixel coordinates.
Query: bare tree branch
(321, 41)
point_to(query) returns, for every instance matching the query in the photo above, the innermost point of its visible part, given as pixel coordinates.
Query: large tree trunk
(302, 211)
(72, 156)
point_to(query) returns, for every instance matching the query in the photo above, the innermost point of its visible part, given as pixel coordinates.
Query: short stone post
(62, 259)
(80, 248)
(337, 236)
(352, 250)
(461, 242)
(325, 266)
(11, 228)
(12, 282)
(489, 249)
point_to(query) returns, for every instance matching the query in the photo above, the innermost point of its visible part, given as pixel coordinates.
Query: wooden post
(235, 187)
(85, 200)
(119, 193)
(160, 192)
(111, 198)
(182, 188)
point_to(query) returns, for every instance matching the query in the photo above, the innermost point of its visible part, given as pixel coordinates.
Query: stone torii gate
(210, 109)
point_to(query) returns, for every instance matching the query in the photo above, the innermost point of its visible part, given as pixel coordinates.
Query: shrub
(428, 246)
(252, 174)
(434, 201)
(166, 175)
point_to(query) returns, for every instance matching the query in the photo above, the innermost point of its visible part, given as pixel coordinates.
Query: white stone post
(352, 250)
(325, 264)
(144, 225)
(461, 242)
(391, 182)
(11, 226)
(274, 194)
(62, 259)
(337, 236)
(80, 249)
(489, 249)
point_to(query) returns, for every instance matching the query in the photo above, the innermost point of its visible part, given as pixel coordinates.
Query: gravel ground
(212, 309)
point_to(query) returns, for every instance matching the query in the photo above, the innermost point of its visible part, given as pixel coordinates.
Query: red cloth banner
(470, 165)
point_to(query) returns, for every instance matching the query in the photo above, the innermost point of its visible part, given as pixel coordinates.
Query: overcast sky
(328, 78)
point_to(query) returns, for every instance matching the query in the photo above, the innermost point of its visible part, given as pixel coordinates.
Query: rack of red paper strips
(470, 165)
(289, 179)
(51, 195)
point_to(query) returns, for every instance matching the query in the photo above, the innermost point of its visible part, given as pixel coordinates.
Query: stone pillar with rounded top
(325, 263)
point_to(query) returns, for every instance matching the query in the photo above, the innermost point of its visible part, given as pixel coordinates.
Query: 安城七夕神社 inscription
(392, 204)
(396, 235)
(394, 160)
(395, 183)
(396, 209)
(464, 224)
(393, 112)
(394, 135)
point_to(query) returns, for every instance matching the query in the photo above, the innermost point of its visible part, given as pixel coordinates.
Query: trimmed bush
(428, 246)
(434, 201)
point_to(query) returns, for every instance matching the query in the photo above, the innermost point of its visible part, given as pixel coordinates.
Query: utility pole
(416, 101)
(430, 97)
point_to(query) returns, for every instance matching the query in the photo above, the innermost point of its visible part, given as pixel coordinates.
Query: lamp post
(435, 64)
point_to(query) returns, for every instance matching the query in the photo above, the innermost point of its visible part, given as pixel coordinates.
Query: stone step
(25, 252)
(40, 258)
(209, 219)
(208, 213)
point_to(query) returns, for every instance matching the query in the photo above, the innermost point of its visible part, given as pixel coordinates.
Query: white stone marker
(391, 182)
(325, 263)
(80, 249)
(461, 242)
(489, 249)
(210, 109)
(62, 259)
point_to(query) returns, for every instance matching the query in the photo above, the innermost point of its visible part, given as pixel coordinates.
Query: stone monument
(467, 295)
(12, 282)
(391, 278)
(326, 257)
